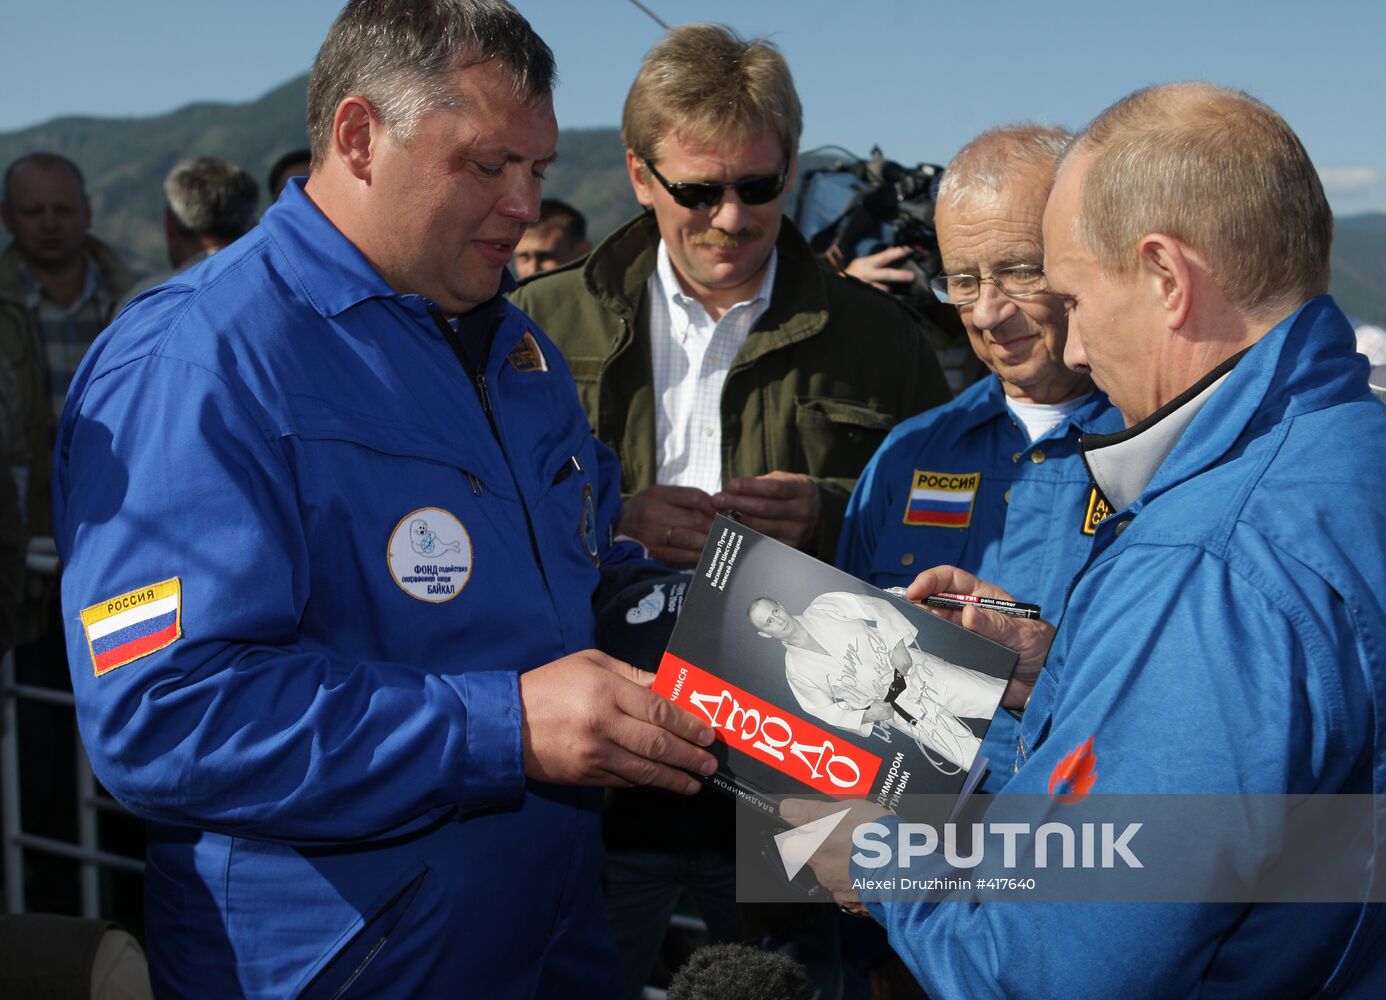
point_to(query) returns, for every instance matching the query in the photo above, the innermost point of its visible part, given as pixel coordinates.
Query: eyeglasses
(1018, 282)
(751, 191)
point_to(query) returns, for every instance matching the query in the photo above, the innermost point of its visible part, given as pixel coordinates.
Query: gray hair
(211, 197)
(992, 159)
(400, 54)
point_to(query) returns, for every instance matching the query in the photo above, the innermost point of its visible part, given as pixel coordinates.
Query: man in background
(59, 286)
(728, 367)
(725, 364)
(208, 204)
(294, 163)
(558, 237)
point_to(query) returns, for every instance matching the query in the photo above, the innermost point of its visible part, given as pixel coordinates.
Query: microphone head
(723, 971)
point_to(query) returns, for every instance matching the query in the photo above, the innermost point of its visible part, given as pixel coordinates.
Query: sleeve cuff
(494, 770)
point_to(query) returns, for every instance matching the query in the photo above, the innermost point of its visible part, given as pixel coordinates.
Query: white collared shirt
(692, 356)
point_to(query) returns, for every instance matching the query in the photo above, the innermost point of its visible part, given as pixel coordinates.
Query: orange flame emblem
(1074, 776)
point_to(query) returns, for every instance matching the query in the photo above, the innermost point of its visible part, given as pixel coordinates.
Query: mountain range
(125, 160)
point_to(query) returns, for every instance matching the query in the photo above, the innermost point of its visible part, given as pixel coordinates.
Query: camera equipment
(857, 207)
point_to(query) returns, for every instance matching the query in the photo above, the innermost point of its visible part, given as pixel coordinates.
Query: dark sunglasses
(751, 191)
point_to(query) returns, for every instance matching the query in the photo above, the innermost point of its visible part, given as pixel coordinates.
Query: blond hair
(706, 84)
(993, 159)
(1221, 172)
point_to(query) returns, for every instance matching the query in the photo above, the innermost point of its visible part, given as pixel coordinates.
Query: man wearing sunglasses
(727, 367)
(730, 370)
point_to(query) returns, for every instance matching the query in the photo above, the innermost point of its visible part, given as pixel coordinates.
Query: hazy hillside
(125, 160)
(1359, 266)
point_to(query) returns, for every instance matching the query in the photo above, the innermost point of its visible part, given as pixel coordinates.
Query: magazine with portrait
(814, 681)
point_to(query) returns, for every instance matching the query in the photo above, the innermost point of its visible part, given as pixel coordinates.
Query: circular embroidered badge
(430, 555)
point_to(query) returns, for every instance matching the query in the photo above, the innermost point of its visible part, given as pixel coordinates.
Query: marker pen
(1013, 608)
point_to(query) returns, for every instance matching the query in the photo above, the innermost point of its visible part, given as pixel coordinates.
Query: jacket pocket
(566, 517)
(335, 978)
(838, 437)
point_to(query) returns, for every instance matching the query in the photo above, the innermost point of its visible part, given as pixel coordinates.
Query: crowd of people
(341, 509)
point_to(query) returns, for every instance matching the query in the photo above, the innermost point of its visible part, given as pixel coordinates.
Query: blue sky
(917, 77)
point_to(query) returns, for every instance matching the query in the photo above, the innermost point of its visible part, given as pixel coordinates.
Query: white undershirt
(691, 357)
(1039, 419)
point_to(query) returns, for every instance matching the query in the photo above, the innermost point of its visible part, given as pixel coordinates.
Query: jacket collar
(1306, 362)
(1123, 464)
(333, 273)
(615, 274)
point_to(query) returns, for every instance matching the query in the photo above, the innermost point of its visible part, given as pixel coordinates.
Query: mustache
(719, 238)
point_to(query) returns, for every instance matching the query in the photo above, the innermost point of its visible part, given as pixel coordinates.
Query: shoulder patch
(942, 499)
(527, 357)
(1098, 511)
(133, 624)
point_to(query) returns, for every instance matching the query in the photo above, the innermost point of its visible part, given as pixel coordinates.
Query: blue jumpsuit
(325, 739)
(1031, 522)
(1226, 637)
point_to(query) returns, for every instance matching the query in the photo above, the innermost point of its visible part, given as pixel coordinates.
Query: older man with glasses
(726, 365)
(992, 482)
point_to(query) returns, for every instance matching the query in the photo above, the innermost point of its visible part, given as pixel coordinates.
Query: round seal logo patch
(430, 555)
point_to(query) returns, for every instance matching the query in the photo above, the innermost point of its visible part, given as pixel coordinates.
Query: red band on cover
(789, 744)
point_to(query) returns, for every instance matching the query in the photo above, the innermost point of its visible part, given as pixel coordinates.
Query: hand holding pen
(973, 604)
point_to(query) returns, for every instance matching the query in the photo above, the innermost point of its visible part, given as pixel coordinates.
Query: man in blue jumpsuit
(992, 482)
(332, 522)
(1226, 634)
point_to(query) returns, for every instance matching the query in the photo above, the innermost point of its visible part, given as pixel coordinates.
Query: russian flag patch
(942, 499)
(133, 624)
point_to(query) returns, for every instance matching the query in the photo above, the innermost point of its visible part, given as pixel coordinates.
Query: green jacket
(28, 409)
(829, 368)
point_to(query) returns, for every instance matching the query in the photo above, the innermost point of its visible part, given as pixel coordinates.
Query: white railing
(86, 853)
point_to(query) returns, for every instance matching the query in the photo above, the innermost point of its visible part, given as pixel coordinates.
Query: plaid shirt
(68, 330)
(691, 357)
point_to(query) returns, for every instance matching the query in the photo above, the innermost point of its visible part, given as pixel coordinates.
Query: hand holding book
(590, 719)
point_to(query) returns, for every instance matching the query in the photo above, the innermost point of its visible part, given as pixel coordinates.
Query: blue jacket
(1032, 513)
(286, 456)
(1225, 637)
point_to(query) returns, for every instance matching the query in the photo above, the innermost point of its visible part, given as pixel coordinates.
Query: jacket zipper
(477, 378)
